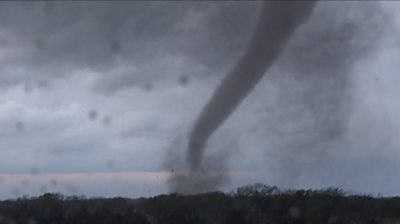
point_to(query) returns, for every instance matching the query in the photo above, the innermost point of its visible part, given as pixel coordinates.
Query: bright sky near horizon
(95, 95)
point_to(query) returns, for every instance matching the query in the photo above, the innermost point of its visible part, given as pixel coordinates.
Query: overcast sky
(94, 96)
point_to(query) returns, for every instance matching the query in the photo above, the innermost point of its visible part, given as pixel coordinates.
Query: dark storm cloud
(59, 38)
(313, 107)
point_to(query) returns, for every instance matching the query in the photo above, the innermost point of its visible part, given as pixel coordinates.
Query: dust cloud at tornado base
(311, 84)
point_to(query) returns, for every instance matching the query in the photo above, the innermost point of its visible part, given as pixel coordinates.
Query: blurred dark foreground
(256, 204)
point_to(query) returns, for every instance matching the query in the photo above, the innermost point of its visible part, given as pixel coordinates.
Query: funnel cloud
(277, 23)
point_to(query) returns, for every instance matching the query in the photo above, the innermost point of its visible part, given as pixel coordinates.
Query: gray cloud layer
(119, 40)
(126, 61)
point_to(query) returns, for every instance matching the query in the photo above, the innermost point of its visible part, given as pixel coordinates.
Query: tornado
(277, 23)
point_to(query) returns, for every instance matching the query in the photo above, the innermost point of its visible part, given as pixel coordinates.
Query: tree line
(252, 204)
